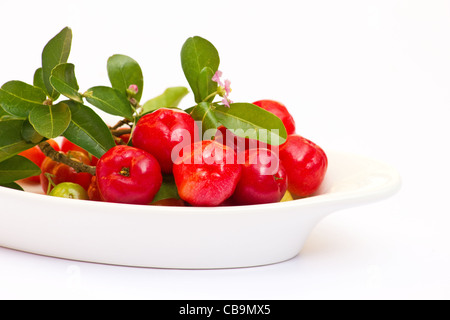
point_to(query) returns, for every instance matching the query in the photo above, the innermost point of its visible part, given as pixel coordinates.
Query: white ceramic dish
(187, 238)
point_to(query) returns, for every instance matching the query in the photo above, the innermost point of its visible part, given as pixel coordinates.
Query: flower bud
(221, 91)
(132, 90)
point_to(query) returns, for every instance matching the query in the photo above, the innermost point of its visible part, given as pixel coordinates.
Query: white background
(369, 77)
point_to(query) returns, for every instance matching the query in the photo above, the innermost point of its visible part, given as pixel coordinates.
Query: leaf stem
(136, 105)
(210, 96)
(120, 123)
(51, 184)
(48, 150)
(48, 102)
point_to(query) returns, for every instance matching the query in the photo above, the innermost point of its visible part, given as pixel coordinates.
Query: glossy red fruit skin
(125, 138)
(37, 156)
(280, 111)
(93, 190)
(128, 175)
(228, 138)
(64, 173)
(263, 178)
(239, 144)
(208, 175)
(306, 165)
(159, 132)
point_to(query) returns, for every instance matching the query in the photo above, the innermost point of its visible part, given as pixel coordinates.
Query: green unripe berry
(70, 191)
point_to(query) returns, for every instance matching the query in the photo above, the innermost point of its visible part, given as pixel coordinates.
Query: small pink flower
(216, 78)
(224, 89)
(226, 102)
(227, 87)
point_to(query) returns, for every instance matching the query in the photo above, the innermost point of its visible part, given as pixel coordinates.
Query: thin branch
(120, 123)
(119, 141)
(48, 150)
(120, 132)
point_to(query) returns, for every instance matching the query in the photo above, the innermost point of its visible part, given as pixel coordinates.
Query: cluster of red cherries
(206, 173)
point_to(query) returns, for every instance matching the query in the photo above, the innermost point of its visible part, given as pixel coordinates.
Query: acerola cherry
(70, 191)
(160, 132)
(228, 138)
(263, 178)
(125, 137)
(35, 154)
(208, 175)
(93, 191)
(305, 163)
(128, 175)
(280, 111)
(67, 146)
(60, 172)
(239, 144)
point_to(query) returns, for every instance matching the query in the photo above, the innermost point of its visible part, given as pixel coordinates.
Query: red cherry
(305, 163)
(280, 111)
(128, 175)
(67, 146)
(125, 137)
(93, 190)
(35, 154)
(228, 138)
(239, 144)
(263, 178)
(94, 161)
(63, 173)
(160, 132)
(208, 175)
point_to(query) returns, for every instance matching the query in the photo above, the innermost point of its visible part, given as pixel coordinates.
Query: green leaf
(17, 168)
(123, 71)
(189, 110)
(38, 80)
(3, 113)
(50, 121)
(55, 52)
(251, 121)
(204, 112)
(19, 98)
(12, 185)
(6, 116)
(196, 54)
(64, 81)
(169, 99)
(168, 190)
(29, 134)
(88, 130)
(205, 84)
(111, 101)
(11, 140)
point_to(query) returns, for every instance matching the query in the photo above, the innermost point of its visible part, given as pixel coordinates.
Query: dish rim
(376, 192)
